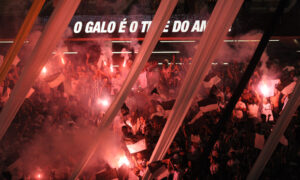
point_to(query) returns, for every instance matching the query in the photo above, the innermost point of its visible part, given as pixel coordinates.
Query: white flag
(57, 81)
(30, 92)
(137, 147)
(16, 61)
(161, 173)
(213, 81)
(289, 88)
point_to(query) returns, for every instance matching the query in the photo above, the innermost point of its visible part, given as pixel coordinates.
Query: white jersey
(267, 110)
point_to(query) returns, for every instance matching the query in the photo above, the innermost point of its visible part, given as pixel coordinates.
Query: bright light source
(62, 60)
(166, 52)
(103, 102)
(121, 41)
(111, 68)
(123, 161)
(44, 70)
(6, 42)
(10, 42)
(129, 124)
(105, 63)
(154, 52)
(70, 52)
(124, 63)
(183, 41)
(39, 176)
(264, 89)
(66, 52)
(122, 52)
(248, 40)
(274, 40)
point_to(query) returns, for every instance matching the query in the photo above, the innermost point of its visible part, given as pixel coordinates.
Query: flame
(124, 63)
(44, 70)
(39, 176)
(111, 68)
(129, 124)
(62, 60)
(103, 102)
(105, 63)
(264, 89)
(123, 161)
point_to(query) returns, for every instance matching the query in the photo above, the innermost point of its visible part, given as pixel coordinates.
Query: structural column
(159, 21)
(220, 21)
(278, 131)
(51, 35)
(22, 34)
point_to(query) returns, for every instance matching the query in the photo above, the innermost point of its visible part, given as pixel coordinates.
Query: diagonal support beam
(278, 131)
(21, 36)
(160, 19)
(226, 114)
(51, 35)
(220, 21)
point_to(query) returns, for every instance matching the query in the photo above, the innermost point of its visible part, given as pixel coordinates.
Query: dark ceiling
(254, 15)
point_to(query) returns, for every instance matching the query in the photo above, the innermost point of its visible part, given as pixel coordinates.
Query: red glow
(264, 89)
(129, 124)
(124, 63)
(111, 68)
(123, 161)
(39, 176)
(62, 60)
(103, 102)
(44, 70)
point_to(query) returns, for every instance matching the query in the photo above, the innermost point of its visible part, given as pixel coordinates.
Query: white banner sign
(124, 26)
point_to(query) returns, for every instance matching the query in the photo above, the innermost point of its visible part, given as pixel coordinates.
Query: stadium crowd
(70, 94)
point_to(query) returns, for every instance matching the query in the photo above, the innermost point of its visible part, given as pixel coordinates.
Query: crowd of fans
(78, 94)
(234, 154)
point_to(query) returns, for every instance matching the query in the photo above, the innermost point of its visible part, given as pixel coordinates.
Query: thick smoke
(106, 49)
(242, 49)
(61, 148)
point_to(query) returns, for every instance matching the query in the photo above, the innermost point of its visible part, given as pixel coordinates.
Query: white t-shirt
(289, 88)
(267, 110)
